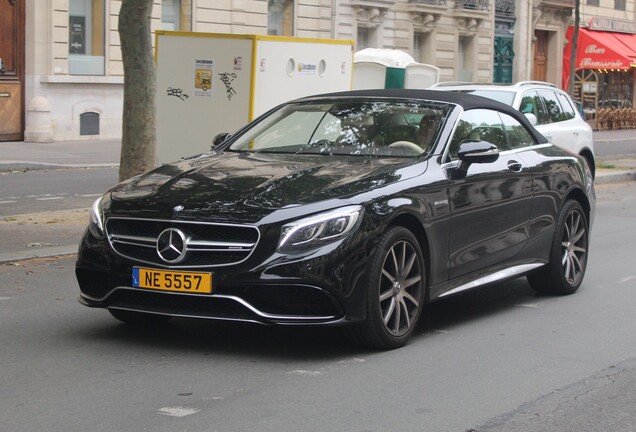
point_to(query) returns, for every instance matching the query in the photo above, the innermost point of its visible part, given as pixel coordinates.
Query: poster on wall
(203, 77)
(77, 34)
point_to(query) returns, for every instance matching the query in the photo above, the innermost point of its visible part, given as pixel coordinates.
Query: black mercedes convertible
(353, 208)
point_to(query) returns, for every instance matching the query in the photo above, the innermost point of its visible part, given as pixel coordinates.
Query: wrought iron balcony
(429, 2)
(477, 5)
(504, 8)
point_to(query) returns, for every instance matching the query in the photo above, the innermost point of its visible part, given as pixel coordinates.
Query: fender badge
(178, 208)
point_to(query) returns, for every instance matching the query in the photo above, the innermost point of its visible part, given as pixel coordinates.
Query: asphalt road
(38, 191)
(499, 358)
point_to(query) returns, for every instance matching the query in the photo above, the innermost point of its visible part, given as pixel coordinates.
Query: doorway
(540, 56)
(11, 70)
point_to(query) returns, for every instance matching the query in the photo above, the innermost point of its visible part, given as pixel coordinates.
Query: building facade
(61, 76)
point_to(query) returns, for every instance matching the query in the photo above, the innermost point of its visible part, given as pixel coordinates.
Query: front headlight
(320, 229)
(95, 224)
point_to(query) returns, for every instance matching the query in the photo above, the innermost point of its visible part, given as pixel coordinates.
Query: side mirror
(220, 139)
(471, 152)
(531, 118)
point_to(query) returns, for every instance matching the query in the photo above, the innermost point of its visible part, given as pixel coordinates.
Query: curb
(9, 166)
(38, 253)
(615, 177)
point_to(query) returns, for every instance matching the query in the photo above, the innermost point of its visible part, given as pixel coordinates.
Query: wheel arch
(579, 195)
(589, 157)
(413, 224)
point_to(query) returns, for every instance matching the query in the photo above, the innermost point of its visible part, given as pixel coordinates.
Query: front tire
(568, 255)
(396, 285)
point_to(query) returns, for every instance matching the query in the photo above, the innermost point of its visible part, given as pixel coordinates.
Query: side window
(518, 135)
(552, 105)
(531, 103)
(568, 112)
(479, 125)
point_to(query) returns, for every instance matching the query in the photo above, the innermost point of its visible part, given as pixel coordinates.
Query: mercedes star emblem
(171, 245)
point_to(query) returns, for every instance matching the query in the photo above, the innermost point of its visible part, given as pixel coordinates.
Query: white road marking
(626, 279)
(91, 195)
(48, 198)
(529, 305)
(7, 202)
(6, 298)
(304, 372)
(178, 411)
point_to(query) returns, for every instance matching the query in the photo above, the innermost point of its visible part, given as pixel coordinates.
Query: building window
(619, 5)
(592, 2)
(422, 50)
(86, 37)
(280, 17)
(176, 15)
(362, 41)
(465, 59)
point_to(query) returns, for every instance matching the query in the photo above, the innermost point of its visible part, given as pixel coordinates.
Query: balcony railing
(479, 5)
(505, 8)
(429, 2)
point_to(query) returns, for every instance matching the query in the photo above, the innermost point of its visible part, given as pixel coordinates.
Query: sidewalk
(33, 238)
(23, 156)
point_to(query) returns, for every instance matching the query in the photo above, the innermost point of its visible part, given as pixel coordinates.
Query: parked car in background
(352, 208)
(550, 110)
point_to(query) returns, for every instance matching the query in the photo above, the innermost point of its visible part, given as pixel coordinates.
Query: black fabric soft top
(466, 101)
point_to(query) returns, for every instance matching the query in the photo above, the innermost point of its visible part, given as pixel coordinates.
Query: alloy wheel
(574, 247)
(400, 288)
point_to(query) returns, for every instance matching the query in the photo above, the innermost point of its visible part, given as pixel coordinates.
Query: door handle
(515, 166)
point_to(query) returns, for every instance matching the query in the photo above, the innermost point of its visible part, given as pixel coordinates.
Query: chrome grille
(207, 244)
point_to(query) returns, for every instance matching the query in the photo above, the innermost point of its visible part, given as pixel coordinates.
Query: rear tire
(396, 285)
(568, 255)
(138, 318)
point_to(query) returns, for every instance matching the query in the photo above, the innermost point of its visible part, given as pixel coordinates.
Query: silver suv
(550, 110)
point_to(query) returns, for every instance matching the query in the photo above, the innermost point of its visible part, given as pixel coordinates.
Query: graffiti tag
(177, 92)
(227, 79)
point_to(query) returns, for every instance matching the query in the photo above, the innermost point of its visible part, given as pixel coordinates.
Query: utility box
(208, 83)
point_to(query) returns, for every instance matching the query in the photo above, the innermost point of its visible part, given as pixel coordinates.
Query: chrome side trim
(498, 276)
(273, 316)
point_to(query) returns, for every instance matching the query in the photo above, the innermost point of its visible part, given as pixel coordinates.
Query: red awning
(599, 50)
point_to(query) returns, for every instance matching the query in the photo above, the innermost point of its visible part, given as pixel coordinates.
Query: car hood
(248, 186)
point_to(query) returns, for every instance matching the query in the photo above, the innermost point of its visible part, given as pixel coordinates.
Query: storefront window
(603, 92)
(86, 37)
(615, 89)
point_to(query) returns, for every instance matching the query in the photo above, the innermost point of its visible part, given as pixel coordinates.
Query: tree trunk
(138, 131)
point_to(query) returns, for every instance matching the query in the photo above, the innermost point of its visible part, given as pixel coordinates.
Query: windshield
(504, 96)
(378, 128)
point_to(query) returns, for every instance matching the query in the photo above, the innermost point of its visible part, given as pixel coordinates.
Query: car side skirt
(498, 276)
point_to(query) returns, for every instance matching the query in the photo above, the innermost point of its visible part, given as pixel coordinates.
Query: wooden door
(540, 64)
(11, 70)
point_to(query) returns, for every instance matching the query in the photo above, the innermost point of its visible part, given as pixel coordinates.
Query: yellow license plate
(186, 282)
